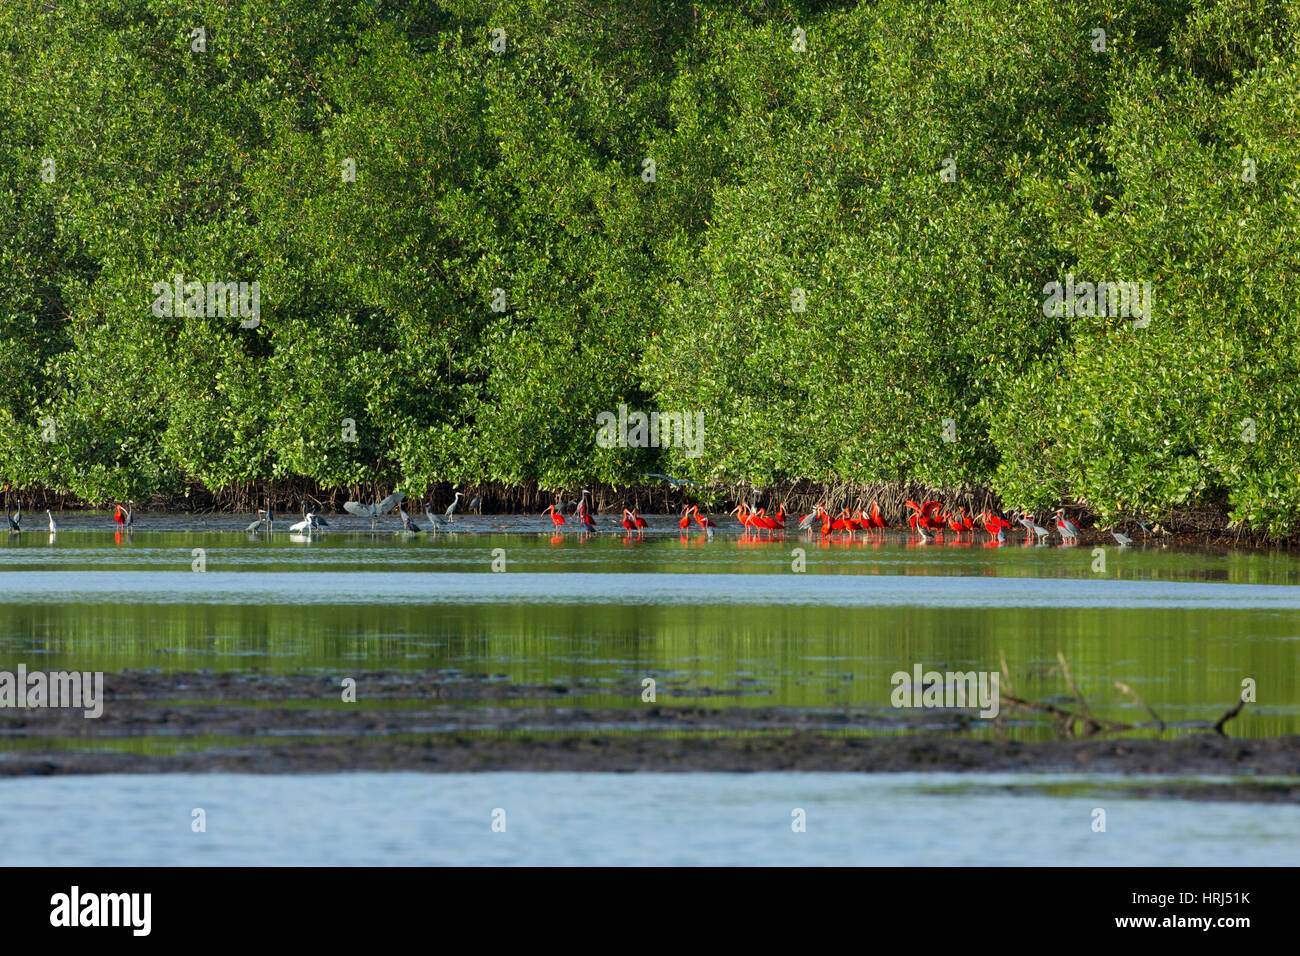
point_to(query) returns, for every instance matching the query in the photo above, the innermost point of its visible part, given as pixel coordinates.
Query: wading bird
(628, 522)
(14, 520)
(264, 517)
(704, 521)
(1120, 537)
(435, 523)
(584, 515)
(1068, 530)
(124, 516)
(476, 505)
(373, 511)
(1032, 526)
(637, 519)
(304, 526)
(53, 526)
(407, 524)
(450, 513)
(557, 519)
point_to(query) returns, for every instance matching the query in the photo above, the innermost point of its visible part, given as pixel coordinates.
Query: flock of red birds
(925, 518)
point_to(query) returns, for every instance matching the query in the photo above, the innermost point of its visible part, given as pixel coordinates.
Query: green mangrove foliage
(833, 228)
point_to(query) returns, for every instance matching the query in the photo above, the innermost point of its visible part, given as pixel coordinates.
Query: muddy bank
(433, 721)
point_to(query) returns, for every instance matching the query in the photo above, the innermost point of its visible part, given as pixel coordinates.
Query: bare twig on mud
(1125, 689)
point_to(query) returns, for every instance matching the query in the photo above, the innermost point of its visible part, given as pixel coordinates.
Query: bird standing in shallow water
(450, 513)
(476, 505)
(407, 523)
(13, 520)
(1120, 537)
(53, 526)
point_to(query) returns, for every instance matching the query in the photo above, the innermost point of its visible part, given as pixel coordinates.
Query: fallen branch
(1218, 728)
(1124, 688)
(1065, 669)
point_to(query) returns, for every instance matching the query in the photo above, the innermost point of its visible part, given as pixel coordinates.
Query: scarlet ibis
(966, 522)
(124, 516)
(557, 519)
(628, 523)
(876, 520)
(741, 513)
(1069, 531)
(704, 521)
(686, 519)
(450, 513)
(585, 516)
(1120, 537)
(637, 519)
(780, 517)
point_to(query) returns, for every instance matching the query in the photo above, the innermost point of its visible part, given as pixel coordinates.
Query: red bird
(628, 523)
(686, 518)
(585, 517)
(556, 518)
(637, 519)
(876, 520)
(704, 521)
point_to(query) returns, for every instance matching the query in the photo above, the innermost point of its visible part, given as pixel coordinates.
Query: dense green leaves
(913, 177)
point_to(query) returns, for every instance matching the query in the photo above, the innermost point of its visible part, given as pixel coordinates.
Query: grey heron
(1120, 537)
(14, 520)
(407, 524)
(373, 511)
(434, 521)
(264, 517)
(476, 505)
(450, 513)
(1068, 530)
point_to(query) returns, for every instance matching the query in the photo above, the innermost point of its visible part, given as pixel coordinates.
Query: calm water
(368, 819)
(1182, 628)
(702, 616)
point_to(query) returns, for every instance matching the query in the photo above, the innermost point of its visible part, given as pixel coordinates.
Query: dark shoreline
(439, 723)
